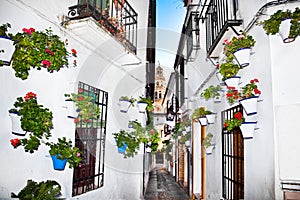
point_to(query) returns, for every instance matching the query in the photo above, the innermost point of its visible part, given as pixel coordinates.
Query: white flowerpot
(7, 45)
(148, 149)
(209, 149)
(284, 31)
(211, 118)
(187, 143)
(203, 121)
(71, 109)
(142, 107)
(233, 81)
(218, 99)
(124, 105)
(220, 78)
(250, 105)
(242, 56)
(188, 128)
(247, 129)
(16, 124)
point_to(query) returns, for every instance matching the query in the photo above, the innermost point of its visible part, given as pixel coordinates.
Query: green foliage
(131, 99)
(228, 69)
(236, 43)
(271, 25)
(37, 49)
(133, 142)
(185, 138)
(48, 190)
(86, 107)
(147, 100)
(207, 140)
(200, 112)
(65, 150)
(34, 119)
(211, 92)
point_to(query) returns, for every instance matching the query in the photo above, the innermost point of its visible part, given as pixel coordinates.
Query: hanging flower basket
(284, 31)
(58, 164)
(16, 124)
(242, 56)
(7, 49)
(124, 104)
(250, 105)
(203, 121)
(209, 149)
(142, 106)
(233, 81)
(211, 118)
(247, 129)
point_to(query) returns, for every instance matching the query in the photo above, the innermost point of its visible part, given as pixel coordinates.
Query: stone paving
(162, 186)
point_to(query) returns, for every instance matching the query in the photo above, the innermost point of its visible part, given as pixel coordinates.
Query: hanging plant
(211, 92)
(39, 49)
(35, 119)
(234, 122)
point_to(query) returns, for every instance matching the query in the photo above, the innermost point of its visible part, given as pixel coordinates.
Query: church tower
(160, 89)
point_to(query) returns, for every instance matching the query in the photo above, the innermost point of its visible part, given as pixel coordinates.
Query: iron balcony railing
(117, 17)
(218, 15)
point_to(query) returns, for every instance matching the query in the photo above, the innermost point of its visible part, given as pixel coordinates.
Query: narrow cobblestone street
(162, 186)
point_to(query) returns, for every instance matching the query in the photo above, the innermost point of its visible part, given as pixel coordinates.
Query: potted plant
(35, 119)
(49, 190)
(39, 49)
(7, 47)
(229, 71)
(200, 114)
(126, 102)
(248, 96)
(207, 143)
(212, 92)
(132, 141)
(234, 122)
(239, 48)
(63, 152)
(145, 103)
(86, 108)
(286, 23)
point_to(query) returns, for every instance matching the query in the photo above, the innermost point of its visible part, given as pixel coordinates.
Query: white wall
(16, 165)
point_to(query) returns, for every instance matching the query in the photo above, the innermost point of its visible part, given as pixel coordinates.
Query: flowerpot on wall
(220, 78)
(7, 45)
(247, 129)
(187, 143)
(209, 149)
(58, 164)
(124, 104)
(122, 149)
(16, 124)
(218, 99)
(211, 118)
(284, 31)
(250, 105)
(71, 112)
(142, 107)
(233, 81)
(242, 56)
(203, 121)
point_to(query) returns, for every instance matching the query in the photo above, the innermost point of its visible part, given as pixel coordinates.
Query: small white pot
(7, 45)
(284, 31)
(142, 107)
(247, 129)
(233, 81)
(16, 124)
(211, 118)
(203, 121)
(250, 105)
(187, 143)
(124, 105)
(242, 57)
(210, 149)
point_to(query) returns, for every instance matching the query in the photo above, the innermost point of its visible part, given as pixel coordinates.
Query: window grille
(232, 158)
(90, 139)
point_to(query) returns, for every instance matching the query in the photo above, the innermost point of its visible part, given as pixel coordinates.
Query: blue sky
(170, 16)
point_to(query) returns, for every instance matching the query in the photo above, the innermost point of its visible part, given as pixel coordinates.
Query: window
(232, 158)
(90, 139)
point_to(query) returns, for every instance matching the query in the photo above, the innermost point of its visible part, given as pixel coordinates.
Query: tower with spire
(160, 88)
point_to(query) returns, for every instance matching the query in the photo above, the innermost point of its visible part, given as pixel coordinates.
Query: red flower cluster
(28, 31)
(74, 52)
(232, 95)
(15, 142)
(29, 95)
(238, 116)
(50, 52)
(46, 62)
(80, 98)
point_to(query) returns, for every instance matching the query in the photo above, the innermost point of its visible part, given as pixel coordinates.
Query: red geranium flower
(29, 95)
(76, 120)
(14, 142)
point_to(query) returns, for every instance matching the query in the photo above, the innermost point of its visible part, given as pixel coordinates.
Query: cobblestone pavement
(162, 186)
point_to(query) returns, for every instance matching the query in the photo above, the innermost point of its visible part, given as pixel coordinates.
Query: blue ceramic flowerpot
(122, 149)
(58, 164)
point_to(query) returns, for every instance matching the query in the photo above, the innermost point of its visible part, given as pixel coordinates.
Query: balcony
(221, 21)
(117, 18)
